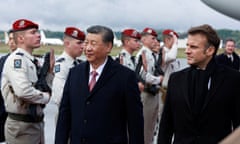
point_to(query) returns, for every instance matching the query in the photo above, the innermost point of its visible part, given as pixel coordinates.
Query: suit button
(83, 140)
(85, 121)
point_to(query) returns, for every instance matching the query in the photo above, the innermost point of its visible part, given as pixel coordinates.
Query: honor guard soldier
(73, 48)
(3, 113)
(169, 50)
(24, 103)
(150, 95)
(131, 43)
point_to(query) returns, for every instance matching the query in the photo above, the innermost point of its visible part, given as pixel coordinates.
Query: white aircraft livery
(49, 41)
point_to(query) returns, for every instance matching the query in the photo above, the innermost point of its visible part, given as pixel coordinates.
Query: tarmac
(50, 125)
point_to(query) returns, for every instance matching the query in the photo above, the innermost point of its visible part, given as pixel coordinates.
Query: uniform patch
(57, 68)
(17, 63)
(123, 54)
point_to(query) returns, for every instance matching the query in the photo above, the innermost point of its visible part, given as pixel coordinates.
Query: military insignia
(17, 63)
(57, 68)
(60, 60)
(21, 24)
(149, 31)
(20, 54)
(134, 34)
(75, 33)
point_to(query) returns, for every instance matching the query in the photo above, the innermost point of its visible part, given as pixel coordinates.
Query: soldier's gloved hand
(48, 95)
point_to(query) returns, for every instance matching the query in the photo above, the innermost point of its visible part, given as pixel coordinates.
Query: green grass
(58, 50)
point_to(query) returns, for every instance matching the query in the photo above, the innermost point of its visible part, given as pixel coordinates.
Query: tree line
(224, 34)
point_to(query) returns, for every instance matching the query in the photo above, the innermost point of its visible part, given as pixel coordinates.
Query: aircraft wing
(228, 7)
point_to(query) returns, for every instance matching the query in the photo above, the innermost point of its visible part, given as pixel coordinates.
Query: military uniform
(128, 59)
(66, 61)
(130, 38)
(61, 69)
(171, 64)
(150, 101)
(18, 78)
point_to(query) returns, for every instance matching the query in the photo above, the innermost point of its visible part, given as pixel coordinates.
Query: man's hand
(175, 39)
(144, 61)
(141, 86)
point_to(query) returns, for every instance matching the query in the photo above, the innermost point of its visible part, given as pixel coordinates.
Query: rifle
(41, 84)
(158, 70)
(138, 68)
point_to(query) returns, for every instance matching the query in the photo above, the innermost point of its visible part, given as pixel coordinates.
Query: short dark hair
(209, 32)
(107, 33)
(10, 31)
(230, 39)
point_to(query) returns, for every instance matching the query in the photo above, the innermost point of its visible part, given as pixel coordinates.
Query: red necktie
(93, 80)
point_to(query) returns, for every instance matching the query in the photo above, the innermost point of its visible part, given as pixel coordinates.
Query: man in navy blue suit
(101, 100)
(3, 113)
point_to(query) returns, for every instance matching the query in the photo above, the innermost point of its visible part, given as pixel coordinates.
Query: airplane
(226, 7)
(49, 41)
(116, 41)
(6, 38)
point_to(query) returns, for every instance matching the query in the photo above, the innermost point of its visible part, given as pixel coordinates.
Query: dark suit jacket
(3, 113)
(222, 59)
(219, 114)
(110, 114)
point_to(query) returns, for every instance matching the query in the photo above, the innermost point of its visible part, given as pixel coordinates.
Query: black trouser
(3, 118)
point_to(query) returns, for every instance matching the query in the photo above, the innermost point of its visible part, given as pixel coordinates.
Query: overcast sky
(55, 15)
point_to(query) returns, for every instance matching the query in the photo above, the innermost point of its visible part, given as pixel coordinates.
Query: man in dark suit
(203, 103)
(229, 57)
(3, 113)
(109, 112)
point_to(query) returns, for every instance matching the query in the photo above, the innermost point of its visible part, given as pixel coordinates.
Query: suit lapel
(216, 81)
(79, 82)
(185, 87)
(85, 78)
(107, 73)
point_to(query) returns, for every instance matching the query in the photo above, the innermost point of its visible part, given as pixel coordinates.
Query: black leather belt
(152, 89)
(26, 118)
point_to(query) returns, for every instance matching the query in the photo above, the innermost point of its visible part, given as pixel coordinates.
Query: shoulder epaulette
(60, 60)
(79, 61)
(19, 53)
(123, 54)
